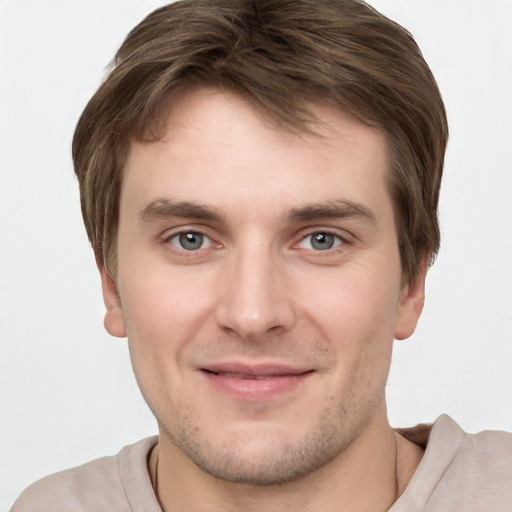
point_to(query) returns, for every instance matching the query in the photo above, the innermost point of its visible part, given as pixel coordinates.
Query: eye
(321, 241)
(190, 241)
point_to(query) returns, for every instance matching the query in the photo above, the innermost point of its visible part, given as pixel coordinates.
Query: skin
(313, 318)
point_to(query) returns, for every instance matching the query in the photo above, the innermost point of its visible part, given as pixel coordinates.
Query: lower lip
(255, 389)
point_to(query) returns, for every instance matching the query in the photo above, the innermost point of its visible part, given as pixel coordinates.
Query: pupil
(191, 241)
(322, 241)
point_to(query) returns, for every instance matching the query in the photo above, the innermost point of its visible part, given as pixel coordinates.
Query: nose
(254, 297)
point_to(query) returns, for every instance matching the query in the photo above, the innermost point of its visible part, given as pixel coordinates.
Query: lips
(243, 376)
(255, 382)
(254, 371)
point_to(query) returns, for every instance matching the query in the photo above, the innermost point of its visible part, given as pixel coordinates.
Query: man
(259, 182)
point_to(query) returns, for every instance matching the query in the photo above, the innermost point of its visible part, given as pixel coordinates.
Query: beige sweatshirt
(459, 472)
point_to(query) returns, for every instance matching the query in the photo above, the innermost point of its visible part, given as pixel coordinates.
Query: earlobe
(114, 319)
(411, 303)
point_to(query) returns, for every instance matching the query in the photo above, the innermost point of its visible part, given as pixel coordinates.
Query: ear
(412, 299)
(114, 319)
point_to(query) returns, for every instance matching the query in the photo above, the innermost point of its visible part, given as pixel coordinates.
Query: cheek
(163, 313)
(161, 318)
(358, 300)
(161, 305)
(355, 313)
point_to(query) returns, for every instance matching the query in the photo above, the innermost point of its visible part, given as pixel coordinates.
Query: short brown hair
(281, 55)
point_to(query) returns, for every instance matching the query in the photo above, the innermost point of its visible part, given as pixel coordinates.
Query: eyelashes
(321, 241)
(192, 241)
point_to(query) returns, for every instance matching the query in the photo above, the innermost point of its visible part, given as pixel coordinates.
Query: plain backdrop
(67, 394)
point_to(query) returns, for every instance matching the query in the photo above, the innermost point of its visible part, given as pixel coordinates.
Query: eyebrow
(164, 208)
(342, 208)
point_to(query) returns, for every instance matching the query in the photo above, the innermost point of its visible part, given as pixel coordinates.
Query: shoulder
(461, 471)
(489, 450)
(486, 457)
(478, 469)
(96, 486)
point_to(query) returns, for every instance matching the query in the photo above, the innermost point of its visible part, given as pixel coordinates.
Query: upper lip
(257, 369)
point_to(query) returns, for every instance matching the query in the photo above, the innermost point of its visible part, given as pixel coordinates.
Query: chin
(265, 455)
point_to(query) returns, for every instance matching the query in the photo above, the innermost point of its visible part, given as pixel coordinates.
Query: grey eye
(321, 241)
(190, 241)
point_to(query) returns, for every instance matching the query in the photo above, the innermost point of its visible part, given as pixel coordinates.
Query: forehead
(215, 145)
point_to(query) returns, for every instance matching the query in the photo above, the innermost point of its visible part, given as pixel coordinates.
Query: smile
(255, 384)
(244, 376)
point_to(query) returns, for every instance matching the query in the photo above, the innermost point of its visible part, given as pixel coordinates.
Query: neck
(368, 476)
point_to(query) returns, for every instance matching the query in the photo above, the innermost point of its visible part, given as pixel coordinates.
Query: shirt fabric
(459, 472)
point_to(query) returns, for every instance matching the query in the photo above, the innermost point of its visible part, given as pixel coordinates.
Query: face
(259, 285)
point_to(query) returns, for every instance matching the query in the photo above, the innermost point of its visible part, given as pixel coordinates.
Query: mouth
(245, 376)
(256, 382)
